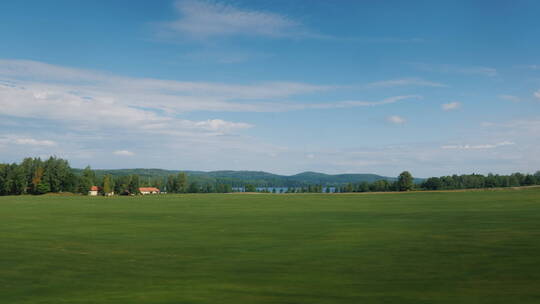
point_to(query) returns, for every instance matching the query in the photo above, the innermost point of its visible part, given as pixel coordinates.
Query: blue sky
(282, 86)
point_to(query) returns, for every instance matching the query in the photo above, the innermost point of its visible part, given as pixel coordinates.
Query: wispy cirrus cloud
(26, 141)
(477, 146)
(201, 19)
(405, 82)
(456, 69)
(42, 90)
(533, 67)
(511, 98)
(105, 113)
(104, 110)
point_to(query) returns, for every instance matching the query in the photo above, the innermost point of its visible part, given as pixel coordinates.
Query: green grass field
(433, 247)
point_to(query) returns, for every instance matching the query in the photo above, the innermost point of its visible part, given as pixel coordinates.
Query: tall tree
(108, 185)
(36, 179)
(182, 182)
(172, 184)
(133, 186)
(87, 180)
(405, 181)
(16, 180)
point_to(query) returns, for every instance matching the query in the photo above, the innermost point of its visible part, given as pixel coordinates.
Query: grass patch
(433, 247)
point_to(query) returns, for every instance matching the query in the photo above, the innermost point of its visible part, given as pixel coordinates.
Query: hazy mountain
(260, 178)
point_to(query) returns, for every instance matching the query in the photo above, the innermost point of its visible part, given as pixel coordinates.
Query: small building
(149, 190)
(94, 191)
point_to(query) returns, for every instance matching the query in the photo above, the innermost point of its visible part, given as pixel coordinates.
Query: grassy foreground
(439, 247)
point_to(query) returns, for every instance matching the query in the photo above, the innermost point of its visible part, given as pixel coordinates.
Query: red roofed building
(94, 190)
(149, 190)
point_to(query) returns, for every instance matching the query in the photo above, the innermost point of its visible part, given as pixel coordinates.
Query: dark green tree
(182, 182)
(42, 188)
(134, 184)
(194, 188)
(405, 181)
(87, 180)
(172, 184)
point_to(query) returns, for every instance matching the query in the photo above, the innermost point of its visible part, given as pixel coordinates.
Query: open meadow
(418, 247)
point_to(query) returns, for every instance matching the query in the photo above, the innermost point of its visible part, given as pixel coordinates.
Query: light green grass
(440, 247)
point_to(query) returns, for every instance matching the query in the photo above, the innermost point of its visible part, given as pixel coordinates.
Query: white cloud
(346, 104)
(456, 69)
(204, 19)
(395, 119)
(71, 94)
(220, 125)
(478, 146)
(100, 114)
(33, 142)
(537, 94)
(511, 98)
(485, 71)
(123, 153)
(529, 67)
(26, 141)
(405, 82)
(387, 40)
(451, 106)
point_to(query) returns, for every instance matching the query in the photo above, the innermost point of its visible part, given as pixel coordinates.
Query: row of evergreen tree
(454, 182)
(471, 181)
(37, 176)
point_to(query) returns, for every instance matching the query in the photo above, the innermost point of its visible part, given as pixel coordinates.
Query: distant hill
(321, 178)
(259, 178)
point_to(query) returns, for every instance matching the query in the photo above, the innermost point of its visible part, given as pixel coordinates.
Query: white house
(94, 191)
(149, 190)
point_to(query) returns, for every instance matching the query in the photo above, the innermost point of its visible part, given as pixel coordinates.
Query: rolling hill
(259, 178)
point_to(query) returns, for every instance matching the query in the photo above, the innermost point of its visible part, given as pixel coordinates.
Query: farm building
(149, 190)
(94, 190)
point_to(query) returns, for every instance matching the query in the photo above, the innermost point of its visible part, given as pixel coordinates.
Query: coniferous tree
(134, 184)
(182, 182)
(87, 180)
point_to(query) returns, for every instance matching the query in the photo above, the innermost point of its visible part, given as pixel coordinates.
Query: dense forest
(37, 176)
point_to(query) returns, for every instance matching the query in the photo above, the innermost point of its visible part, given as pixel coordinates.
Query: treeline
(37, 176)
(472, 181)
(454, 182)
(130, 184)
(404, 182)
(179, 183)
